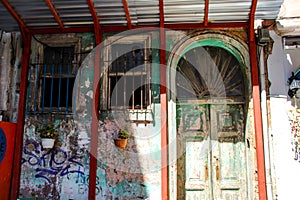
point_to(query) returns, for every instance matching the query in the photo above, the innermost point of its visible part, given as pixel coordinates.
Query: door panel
(192, 125)
(212, 165)
(197, 175)
(228, 155)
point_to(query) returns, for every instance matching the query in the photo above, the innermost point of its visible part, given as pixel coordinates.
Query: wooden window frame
(145, 41)
(53, 41)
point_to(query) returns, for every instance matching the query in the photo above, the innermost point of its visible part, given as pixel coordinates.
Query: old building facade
(203, 119)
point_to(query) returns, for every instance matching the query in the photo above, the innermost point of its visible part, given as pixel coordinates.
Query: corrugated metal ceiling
(37, 14)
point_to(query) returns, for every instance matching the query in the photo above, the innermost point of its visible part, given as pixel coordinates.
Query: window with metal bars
(128, 76)
(54, 80)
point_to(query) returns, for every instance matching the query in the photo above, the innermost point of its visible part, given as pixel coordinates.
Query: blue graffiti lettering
(51, 163)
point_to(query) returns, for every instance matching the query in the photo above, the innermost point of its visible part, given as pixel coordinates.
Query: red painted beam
(161, 14)
(262, 189)
(95, 20)
(95, 111)
(180, 26)
(164, 106)
(251, 20)
(66, 30)
(209, 25)
(206, 13)
(124, 28)
(15, 15)
(126, 10)
(55, 14)
(15, 183)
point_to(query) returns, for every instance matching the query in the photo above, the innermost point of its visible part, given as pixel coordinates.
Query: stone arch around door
(213, 174)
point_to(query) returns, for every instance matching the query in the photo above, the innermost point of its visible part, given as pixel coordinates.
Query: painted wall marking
(51, 163)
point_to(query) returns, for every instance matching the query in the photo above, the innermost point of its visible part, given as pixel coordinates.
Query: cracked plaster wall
(10, 61)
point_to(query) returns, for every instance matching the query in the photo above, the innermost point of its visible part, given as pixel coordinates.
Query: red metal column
(16, 171)
(164, 117)
(164, 107)
(95, 108)
(205, 21)
(126, 10)
(94, 129)
(256, 107)
(258, 123)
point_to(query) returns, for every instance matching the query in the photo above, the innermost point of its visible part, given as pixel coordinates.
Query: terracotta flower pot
(121, 143)
(47, 143)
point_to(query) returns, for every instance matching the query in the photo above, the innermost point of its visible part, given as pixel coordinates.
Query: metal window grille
(53, 83)
(129, 78)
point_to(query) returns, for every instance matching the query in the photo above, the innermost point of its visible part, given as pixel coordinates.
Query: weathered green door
(212, 165)
(210, 126)
(228, 166)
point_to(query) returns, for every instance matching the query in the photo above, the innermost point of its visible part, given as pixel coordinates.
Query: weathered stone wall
(44, 170)
(63, 172)
(10, 61)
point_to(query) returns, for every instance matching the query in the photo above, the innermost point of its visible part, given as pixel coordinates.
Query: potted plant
(48, 134)
(121, 140)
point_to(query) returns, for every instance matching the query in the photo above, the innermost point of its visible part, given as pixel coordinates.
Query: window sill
(144, 116)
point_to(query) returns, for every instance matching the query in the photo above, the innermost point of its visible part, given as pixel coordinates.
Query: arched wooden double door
(210, 126)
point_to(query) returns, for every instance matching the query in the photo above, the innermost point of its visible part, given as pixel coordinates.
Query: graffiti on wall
(63, 172)
(51, 163)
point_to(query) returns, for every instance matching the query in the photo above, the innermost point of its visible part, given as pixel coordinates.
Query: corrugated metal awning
(62, 14)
